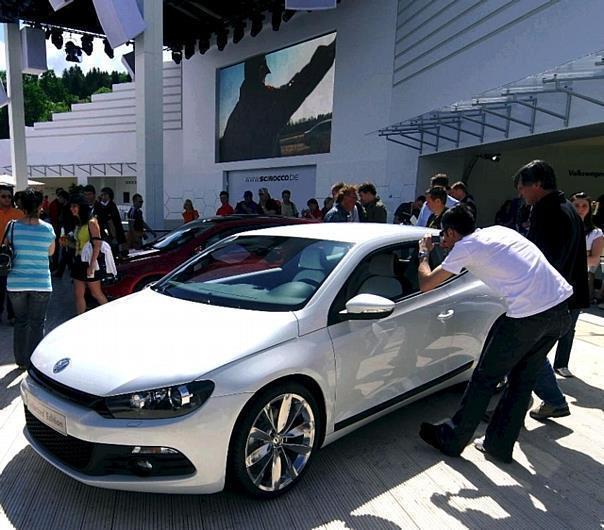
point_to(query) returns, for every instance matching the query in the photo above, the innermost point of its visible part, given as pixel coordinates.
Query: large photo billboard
(277, 104)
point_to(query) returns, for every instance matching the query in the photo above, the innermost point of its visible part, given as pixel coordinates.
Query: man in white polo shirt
(537, 316)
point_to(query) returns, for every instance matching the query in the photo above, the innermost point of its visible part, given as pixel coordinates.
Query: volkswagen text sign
(309, 5)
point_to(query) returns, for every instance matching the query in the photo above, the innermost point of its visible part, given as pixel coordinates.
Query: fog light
(142, 467)
(141, 450)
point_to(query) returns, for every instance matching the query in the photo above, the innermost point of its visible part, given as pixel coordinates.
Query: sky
(56, 58)
(283, 64)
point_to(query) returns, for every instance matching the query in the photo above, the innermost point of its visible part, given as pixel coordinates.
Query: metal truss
(448, 126)
(108, 169)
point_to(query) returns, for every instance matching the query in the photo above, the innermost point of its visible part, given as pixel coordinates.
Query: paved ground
(380, 477)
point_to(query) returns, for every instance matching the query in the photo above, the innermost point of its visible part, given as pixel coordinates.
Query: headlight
(167, 402)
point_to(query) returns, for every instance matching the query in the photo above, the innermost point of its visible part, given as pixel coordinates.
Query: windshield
(266, 273)
(183, 235)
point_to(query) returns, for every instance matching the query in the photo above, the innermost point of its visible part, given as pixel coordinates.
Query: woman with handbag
(28, 282)
(86, 274)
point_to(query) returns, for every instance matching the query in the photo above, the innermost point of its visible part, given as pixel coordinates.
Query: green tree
(53, 86)
(37, 105)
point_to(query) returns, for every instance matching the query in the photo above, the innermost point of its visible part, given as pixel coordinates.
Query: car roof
(346, 232)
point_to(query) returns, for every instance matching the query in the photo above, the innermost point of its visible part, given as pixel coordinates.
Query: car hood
(148, 340)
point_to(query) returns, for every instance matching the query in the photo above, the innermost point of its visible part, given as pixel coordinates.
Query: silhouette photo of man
(262, 111)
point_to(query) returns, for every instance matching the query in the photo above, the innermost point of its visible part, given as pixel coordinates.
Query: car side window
(389, 272)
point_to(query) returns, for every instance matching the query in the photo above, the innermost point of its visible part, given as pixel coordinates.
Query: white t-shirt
(592, 236)
(513, 267)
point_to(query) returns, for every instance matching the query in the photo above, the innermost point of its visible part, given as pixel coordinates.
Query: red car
(156, 259)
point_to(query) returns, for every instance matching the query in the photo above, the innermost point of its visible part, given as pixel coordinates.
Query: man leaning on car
(537, 316)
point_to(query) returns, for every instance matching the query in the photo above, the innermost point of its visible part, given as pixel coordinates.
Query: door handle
(446, 315)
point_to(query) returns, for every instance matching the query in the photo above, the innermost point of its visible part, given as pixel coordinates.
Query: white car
(248, 358)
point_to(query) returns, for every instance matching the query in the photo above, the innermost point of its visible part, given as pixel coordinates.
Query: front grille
(71, 451)
(96, 459)
(70, 394)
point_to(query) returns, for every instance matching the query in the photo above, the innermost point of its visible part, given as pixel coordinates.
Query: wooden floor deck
(380, 477)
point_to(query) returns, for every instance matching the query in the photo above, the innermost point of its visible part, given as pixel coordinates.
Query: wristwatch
(423, 254)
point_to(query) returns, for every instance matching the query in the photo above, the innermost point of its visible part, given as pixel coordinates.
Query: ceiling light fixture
(204, 44)
(257, 22)
(276, 16)
(189, 49)
(108, 49)
(176, 56)
(56, 37)
(222, 37)
(74, 53)
(238, 31)
(87, 44)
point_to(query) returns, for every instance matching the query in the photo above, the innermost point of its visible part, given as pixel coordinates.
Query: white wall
(451, 51)
(362, 89)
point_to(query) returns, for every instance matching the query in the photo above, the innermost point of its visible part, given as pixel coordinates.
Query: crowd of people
(79, 231)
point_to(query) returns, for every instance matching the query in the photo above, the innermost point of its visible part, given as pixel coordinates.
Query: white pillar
(16, 109)
(149, 113)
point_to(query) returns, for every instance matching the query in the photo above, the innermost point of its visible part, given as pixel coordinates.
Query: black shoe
(479, 444)
(431, 434)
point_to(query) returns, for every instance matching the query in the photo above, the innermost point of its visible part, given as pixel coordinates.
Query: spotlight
(238, 31)
(222, 36)
(493, 157)
(87, 44)
(74, 53)
(257, 20)
(189, 49)
(276, 17)
(56, 37)
(204, 43)
(108, 49)
(176, 56)
(288, 14)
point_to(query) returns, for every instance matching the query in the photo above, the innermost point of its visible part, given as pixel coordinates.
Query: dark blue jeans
(565, 344)
(3, 296)
(517, 348)
(30, 314)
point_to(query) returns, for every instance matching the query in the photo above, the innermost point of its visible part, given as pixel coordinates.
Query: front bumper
(202, 438)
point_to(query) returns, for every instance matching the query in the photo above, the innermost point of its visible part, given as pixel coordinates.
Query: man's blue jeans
(30, 314)
(546, 387)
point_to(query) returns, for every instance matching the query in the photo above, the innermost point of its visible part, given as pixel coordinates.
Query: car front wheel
(275, 440)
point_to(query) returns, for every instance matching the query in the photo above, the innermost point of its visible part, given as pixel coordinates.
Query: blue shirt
(30, 270)
(425, 212)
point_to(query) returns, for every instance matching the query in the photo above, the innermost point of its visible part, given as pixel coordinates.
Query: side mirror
(367, 307)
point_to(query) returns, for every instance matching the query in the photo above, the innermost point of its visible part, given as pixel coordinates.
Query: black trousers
(517, 348)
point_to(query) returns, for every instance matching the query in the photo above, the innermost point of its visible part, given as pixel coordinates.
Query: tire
(264, 461)
(144, 283)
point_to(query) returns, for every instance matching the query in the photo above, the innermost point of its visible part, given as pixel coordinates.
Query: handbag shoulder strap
(10, 226)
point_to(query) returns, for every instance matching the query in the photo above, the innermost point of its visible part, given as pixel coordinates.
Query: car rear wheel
(275, 441)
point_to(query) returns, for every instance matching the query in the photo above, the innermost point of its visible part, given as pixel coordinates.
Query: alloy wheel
(280, 442)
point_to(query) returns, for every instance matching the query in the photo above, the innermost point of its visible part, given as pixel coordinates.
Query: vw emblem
(60, 365)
